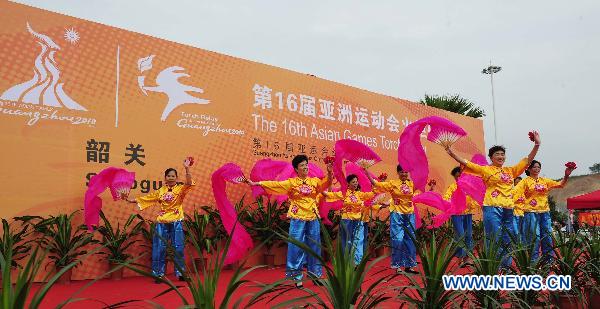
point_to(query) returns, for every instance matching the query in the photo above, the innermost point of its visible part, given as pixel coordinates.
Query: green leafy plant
(453, 103)
(203, 284)
(486, 263)
(570, 261)
(17, 293)
(217, 228)
(427, 288)
(343, 278)
(16, 241)
(524, 265)
(65, 243)
(591, 254)
(263, 219)
(197, 230)
(117, 240)
(379, 233)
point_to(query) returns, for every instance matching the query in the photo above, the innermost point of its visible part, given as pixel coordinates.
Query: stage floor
(107, 292)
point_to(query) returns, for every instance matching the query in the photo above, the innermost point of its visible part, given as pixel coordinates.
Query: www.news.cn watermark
(507, 282)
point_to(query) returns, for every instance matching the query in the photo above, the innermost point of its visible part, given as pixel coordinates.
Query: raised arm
(373, 181)
(455, 156)
(536, 146)
(568, 171)
(188, 176)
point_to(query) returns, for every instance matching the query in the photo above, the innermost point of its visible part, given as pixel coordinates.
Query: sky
(549, 52)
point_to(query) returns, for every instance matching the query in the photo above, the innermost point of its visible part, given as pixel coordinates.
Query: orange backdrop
(78, 96)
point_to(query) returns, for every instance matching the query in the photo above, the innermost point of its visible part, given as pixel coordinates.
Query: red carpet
(107, 292)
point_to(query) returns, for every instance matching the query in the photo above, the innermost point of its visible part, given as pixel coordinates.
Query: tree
(453, 103)
(595, 169)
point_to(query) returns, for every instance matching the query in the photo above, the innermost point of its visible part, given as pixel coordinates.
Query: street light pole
(491, 70)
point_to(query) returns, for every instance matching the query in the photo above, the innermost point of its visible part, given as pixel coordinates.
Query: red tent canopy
(586, 201)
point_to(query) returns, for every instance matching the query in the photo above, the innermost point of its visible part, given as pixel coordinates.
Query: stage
(106, 292)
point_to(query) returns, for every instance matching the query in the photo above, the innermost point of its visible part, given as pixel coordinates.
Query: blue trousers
(538, 230)
(352, 237)
(519, 227)
(309, 233)
(499, 226)
(463, 231)
(404, 252)
(164, 232)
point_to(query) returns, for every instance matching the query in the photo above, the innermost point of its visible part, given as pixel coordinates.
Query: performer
(538, 223)
(519, 214)
(402, 219)
(169, 223)
(498, 205)
(304, 216)
(463, 224)
(351, 226)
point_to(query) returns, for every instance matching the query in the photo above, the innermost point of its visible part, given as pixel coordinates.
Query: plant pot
(117, 274)
(568, 301)
(200, 263)
(65, 278)
(269, 260)
(594, 298)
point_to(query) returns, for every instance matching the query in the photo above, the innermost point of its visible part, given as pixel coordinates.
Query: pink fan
(118, 180)
(443, 131)
(267, 169)
(355, 152)
(411, 155)
(121, 184)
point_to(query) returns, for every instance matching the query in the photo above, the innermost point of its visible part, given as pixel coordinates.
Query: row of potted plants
(65, 244)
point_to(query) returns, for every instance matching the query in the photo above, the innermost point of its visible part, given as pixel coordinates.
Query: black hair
(299, 159)
(399, 168)
(455, 171)
(170, 169)
(531, 165)
(495, 149)
(350, 177)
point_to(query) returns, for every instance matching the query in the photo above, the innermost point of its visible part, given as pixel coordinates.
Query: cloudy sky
(549, 52)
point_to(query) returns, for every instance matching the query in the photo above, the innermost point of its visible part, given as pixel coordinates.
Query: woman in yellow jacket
(304, 216)
(169, 223)
(351, 226)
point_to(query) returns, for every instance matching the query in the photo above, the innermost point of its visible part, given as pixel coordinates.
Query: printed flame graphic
(45, 87)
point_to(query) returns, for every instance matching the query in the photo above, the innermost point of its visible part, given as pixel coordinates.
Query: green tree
(595, 169)
(453, 103)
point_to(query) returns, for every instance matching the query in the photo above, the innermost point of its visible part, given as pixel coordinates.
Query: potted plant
(17, 291)
(218, 229)
(116, 241)
(343, 280)
(591, 254)
(262, 221)
(570, 262)
(64, 242)
(16, 242)
(379, 235)
(486, 263)
(524, 265)
(332, 232)
(426, 289)
(198, 231)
